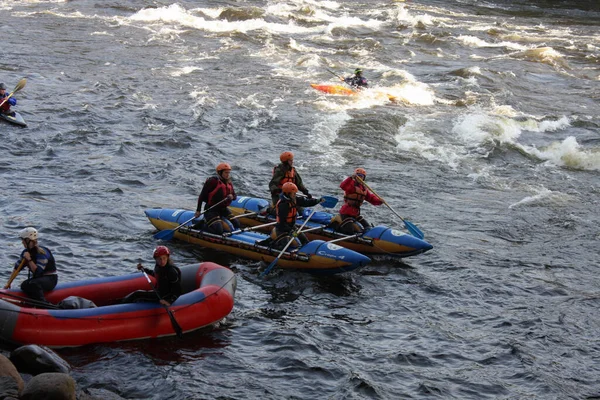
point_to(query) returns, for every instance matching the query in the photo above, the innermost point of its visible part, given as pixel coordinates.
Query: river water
(492, 148)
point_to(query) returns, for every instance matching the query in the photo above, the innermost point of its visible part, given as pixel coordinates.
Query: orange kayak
(334, 89)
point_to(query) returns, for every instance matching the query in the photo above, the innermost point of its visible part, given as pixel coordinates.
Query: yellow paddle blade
(20, 85)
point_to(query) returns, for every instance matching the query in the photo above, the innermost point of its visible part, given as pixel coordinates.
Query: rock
(9, 372)
(50, 386)
(9, 389)
(34, 360)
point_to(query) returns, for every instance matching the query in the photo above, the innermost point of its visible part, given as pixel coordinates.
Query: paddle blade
(329, 202)
(269, 268)
(176, 326)
(20, 85)
(165, 235)
(416, 232)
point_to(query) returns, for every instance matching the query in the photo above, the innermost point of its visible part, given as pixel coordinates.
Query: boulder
(8, 373)
(50, 386)
(33, 359)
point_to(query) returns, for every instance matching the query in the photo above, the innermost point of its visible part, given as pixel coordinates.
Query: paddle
(19, 86)
(346, 237)
(15, 298)
(14, 274)
(341, 78)
(176, 326)
(410, 226)
(169, 233)
(328, 201)
(293, 235)
(250, 228)
(244, 215)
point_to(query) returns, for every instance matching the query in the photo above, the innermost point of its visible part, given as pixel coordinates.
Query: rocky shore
(35, 372)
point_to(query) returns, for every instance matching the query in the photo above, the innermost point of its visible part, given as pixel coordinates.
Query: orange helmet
(161, 251)
(360, 171)
(286, 156)
(223, 167)
(289, 188)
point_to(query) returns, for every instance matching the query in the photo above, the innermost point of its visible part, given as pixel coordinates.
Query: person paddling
(357, 81)
(168, 280)
(286, 209)
(218, 192)
(5, 108)
(349, 220)
(42, 275)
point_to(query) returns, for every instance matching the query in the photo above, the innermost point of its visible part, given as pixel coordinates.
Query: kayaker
(355, 193)
(286, 209)
(42, 276)
(282, 174)
(218, 192)
(168, 280)
(5, 108)
(357, 81)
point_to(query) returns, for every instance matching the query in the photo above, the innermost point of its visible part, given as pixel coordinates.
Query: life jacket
(6, 106)
(290, 176)
(219, 193)
(358, 197)
(290, 218)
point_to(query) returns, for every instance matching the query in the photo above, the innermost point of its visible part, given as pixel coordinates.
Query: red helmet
(286, 156)
(360, 171)
(289, 188)
(161, 251)
(223, 167)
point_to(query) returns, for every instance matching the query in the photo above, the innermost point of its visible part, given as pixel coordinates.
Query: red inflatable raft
(208, 298)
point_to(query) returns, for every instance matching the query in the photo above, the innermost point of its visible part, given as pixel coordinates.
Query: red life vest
(219, 193)
(6, 106)
(356, 199)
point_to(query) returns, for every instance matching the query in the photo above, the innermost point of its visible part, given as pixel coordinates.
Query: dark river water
(492, 148)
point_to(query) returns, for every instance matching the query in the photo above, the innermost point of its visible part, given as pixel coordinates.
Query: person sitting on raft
(286, 210)
(218, 192)
(349, 221)
(168, 280)
(42, 276)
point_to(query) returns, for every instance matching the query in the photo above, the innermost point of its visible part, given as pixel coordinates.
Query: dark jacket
(286, 212)
(213, 191)
(357, 82)
(168, 281)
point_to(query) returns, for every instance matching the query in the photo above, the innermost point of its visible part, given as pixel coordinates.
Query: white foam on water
(324, 132)
(568, 153)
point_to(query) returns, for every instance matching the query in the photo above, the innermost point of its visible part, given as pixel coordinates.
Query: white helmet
(28, 233)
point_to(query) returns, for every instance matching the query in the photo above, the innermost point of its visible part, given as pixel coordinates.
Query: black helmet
(358, 71)
(2, 86)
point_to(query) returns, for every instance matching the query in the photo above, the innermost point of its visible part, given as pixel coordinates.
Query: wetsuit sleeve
(305, 202)
(208, 187)
(278, 175)
(299, 182)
